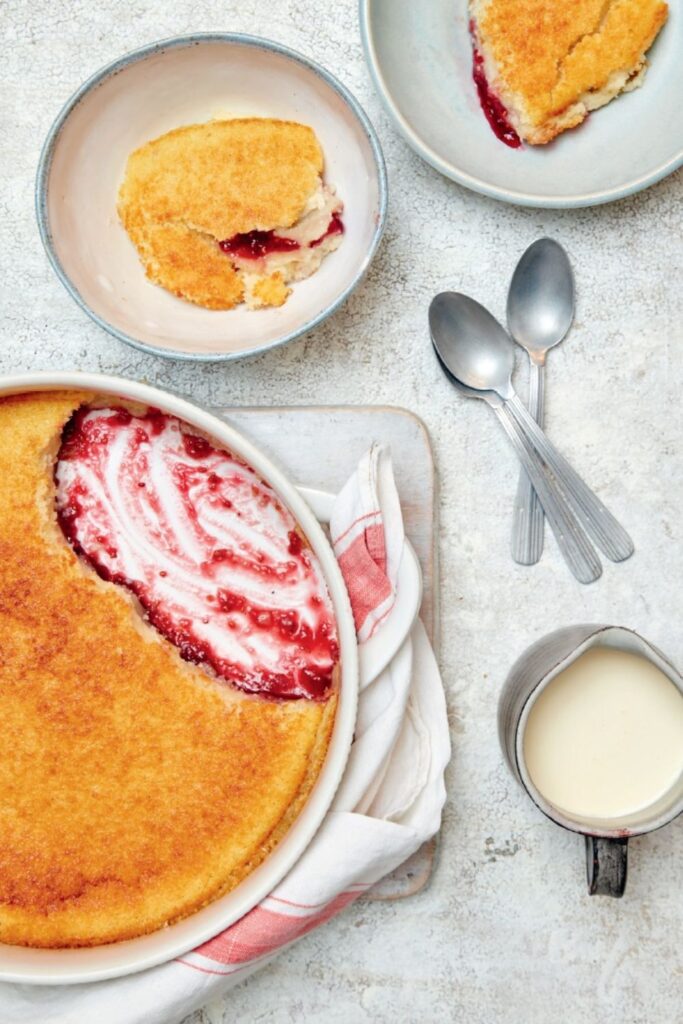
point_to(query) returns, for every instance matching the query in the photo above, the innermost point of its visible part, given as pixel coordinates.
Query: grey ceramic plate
(420, 58)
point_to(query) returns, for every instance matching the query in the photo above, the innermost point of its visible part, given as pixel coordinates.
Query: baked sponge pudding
(169, 670)
(541, 66)
(230, 210)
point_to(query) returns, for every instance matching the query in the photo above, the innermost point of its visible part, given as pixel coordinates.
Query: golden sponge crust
(186, 263)
(552, 62)
(197, 185)
(225, 177)
(133, 788)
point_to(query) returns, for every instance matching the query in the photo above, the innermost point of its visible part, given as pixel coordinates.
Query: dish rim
(301, 833)
(475, 184)
(179, 42)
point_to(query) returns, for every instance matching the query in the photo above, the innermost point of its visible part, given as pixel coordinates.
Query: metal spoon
(540, 310)
(479, 353)
(576, 549)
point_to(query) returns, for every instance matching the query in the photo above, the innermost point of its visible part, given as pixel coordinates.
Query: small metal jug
(606, 842)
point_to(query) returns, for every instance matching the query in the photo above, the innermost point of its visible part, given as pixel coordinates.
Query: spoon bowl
(471, 344)
(488, 396)
(540, 306)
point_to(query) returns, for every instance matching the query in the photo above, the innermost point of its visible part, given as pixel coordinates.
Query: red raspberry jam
(496, 114)
(335, 227)
(215, 560)
(256, 244)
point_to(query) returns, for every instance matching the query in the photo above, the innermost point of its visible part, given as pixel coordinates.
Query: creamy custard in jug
(604, 739)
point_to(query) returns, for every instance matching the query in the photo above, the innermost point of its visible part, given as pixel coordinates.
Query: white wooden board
(319, 446)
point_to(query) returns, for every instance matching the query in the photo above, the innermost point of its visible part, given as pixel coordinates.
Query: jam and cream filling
(214, 558)
(298, 251)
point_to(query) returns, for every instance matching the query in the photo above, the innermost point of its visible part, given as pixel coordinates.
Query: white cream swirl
(213, 556)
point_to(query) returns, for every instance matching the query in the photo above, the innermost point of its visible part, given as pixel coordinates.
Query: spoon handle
(607, 533)
(527, 523)
(572, 541)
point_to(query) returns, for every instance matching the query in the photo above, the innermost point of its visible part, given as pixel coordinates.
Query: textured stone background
(505, 932)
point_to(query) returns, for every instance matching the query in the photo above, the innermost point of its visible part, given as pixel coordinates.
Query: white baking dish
(68, 966)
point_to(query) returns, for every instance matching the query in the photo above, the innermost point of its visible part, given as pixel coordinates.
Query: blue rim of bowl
(478, 184)
(178, 42)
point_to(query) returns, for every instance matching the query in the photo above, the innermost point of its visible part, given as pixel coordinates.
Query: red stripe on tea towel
(261, 932)
(366, 580)
(210, 970)
(338, 541)
(376, 545)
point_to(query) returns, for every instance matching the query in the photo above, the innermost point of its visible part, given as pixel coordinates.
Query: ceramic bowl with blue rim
(165, 85)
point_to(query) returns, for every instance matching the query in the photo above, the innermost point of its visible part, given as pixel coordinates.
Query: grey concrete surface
(505, 932)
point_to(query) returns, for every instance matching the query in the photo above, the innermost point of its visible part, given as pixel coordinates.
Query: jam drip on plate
(255, 245)
(496, 113)
(215, 560)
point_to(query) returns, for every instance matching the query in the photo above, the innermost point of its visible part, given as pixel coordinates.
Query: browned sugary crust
(134, 789)
(552, 62)
(225, 177)
(195, 186)
(269, 291)
(188, 264)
